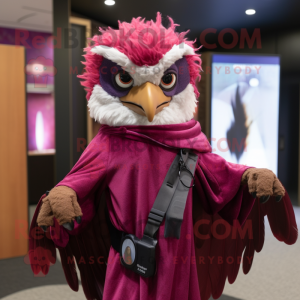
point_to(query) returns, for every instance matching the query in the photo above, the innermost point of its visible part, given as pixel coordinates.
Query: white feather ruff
(109, 110)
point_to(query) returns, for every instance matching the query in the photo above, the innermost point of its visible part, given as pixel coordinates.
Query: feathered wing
(42, 252)
(89, 249)
(89, 242)
(221, 246)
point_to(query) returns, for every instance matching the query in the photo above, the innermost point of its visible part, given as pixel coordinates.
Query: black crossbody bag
(137, 254)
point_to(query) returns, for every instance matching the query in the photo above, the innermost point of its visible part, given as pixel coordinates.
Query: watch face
(128, 251)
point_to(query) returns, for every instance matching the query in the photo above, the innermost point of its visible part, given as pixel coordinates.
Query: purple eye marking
(108, 70)
(181, 70)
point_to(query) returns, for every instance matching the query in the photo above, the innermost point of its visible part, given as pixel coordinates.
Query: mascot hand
(263, 183)
(62, 204)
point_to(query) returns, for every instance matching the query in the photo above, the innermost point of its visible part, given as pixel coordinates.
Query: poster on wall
(245, 109)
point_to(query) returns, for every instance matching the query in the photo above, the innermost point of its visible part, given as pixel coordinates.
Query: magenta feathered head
(142, 43)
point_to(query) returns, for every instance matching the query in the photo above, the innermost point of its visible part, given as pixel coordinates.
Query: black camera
(138, 255)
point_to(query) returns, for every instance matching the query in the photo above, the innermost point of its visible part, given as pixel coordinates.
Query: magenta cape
(122, 169)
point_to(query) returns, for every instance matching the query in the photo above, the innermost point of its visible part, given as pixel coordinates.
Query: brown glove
(263, 183)
(62, 204)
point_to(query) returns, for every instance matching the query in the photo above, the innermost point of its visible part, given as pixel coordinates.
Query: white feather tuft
(142, 74)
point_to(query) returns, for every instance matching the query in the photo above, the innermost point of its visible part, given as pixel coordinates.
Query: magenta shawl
(129, 164)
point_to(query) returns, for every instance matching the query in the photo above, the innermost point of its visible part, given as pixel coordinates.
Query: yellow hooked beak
(146, 100)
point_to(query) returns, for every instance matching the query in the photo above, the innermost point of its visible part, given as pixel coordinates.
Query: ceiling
(29, 14)
(197, 15)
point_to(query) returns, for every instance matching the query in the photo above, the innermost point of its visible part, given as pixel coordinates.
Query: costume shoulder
(90, 170)
(229, 223)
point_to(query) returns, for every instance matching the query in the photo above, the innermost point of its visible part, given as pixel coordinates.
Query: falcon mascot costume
(140, 83)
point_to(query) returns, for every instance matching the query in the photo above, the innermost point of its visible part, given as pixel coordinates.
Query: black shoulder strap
(171, 198)
(174, 216)
(172, 194)
(163, 198)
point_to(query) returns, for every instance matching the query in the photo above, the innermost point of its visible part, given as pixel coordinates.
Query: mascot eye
(168, 81)
(124, 80)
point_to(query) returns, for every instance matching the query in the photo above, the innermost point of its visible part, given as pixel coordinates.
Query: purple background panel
(36, 44)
